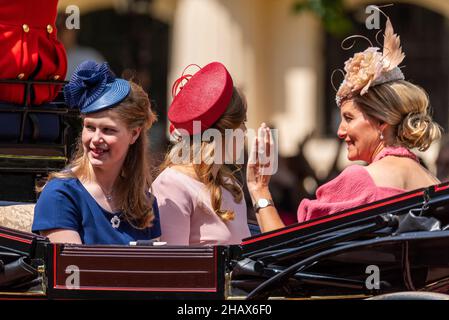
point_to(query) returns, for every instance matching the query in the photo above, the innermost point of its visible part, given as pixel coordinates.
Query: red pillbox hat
(203, 98)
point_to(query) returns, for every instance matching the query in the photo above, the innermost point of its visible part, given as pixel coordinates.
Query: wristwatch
(262, 203)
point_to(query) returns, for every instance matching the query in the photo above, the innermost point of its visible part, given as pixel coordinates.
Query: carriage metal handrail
(54, 107)
(29, 83)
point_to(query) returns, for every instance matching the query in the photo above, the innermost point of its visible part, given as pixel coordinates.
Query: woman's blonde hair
(405, 107)
(134, 181)
(232, 118)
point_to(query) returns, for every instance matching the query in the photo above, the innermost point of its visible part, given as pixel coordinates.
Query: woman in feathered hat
(102, 196)
(382, 118)
(200, 200)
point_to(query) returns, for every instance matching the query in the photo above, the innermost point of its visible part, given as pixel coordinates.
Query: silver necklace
(115, 220)
(108, 196)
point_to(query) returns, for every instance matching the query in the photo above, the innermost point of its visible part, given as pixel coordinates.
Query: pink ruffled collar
(397, 152)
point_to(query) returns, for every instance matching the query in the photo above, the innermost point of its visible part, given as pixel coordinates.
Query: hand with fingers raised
(258, 173)
(261, 166)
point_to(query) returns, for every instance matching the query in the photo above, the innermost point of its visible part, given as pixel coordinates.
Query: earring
(381, 136)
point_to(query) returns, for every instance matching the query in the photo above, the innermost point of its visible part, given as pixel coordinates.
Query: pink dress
(352, 188)
(186, 213)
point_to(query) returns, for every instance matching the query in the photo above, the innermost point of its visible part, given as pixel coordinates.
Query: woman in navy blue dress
(103, 197)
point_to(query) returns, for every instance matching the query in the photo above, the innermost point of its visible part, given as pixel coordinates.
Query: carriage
(390, 246)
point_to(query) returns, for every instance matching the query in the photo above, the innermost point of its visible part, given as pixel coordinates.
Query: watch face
(262, 203)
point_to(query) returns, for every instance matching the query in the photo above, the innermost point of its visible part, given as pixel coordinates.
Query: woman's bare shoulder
(389, 172)
(402, 173)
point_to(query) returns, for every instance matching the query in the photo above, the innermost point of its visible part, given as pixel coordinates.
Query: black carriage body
(399, 242)
(332, 256)
(135, 272)
(59, 271)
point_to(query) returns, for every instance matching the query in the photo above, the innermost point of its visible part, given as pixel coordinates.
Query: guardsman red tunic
(30, 49)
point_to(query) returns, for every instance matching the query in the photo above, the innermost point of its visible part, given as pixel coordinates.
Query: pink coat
(186, 213)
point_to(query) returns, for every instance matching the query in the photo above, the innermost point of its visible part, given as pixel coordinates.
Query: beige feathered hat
(372, 67)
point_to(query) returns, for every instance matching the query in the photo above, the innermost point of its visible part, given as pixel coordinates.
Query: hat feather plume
(392, 51)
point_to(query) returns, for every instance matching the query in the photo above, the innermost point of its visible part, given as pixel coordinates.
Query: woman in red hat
(200, 200)
(102, 196)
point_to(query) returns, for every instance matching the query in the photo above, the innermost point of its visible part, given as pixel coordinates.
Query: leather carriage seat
(17, 216)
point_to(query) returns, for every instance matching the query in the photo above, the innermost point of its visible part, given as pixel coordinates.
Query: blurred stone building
(281, 60)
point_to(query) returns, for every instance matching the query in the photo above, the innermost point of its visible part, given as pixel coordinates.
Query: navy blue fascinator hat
(93, 88)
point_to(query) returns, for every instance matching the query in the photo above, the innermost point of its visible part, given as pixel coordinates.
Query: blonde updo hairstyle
(405, 107)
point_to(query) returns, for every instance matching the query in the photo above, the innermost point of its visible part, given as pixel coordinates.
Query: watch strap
(257, 207)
